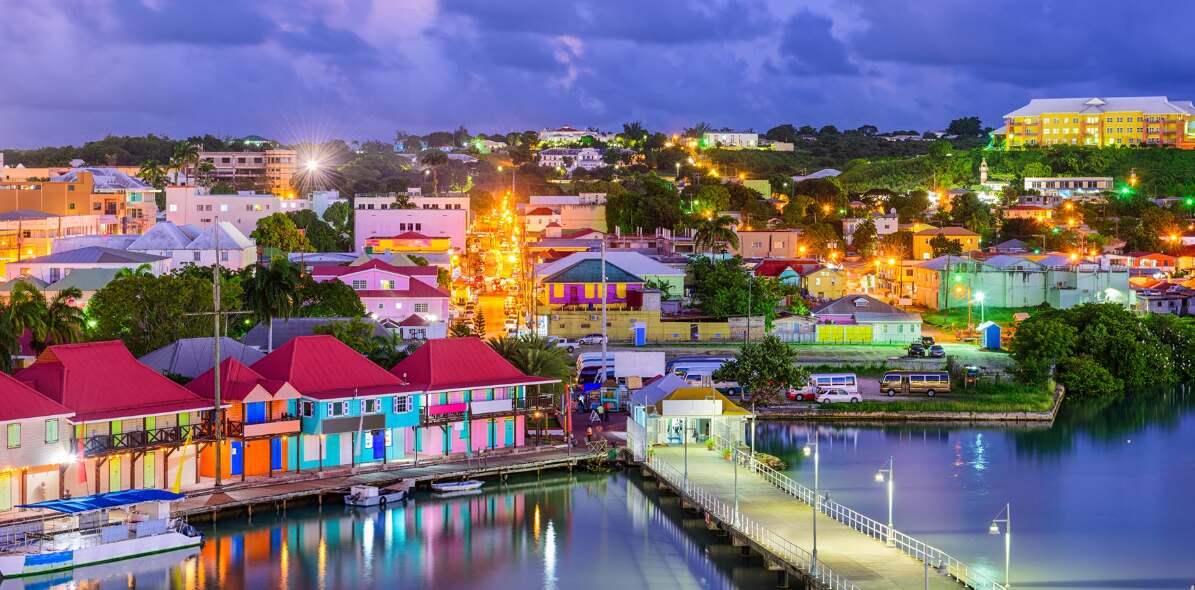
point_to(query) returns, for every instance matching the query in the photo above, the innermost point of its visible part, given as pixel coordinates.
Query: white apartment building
(885, 224)
(195, 206)
(728, 139)
(1069, 186)
(269, 170)
(567, 134)
(571, 158)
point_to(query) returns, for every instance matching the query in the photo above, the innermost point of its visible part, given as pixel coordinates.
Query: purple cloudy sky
(313, 69)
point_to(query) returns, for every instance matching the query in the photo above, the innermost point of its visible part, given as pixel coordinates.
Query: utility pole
(604, 337)
(217, 422)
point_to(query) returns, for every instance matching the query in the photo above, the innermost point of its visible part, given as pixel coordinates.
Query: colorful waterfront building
(38, 452)
(133, 428)
(261, 421)
(473, 400)
(351, 411)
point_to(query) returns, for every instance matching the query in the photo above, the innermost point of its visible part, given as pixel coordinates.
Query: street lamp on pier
(994, 529)
(885, 475)
(813, 449)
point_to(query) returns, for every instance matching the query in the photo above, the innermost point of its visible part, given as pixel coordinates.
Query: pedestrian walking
(588, 434)
(601, 410)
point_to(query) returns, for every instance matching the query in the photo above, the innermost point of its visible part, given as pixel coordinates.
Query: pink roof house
(392, 293)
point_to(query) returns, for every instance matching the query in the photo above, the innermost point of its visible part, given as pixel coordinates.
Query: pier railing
(761, 535)
(916, 548)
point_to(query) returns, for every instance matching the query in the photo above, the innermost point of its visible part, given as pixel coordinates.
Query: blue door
(448, 439)
(510, 432)
(379, 444)
(236, 459)
(276, 454)
(491, 435)
(255, 412)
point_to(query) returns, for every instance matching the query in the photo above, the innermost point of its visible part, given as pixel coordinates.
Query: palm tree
(271, 292)
(434, 159)
(534, 355)
(10, 340)
(712, 232)
(391, 349)
(153, 174)
(49, 321)
(142, 271)
(185, 157)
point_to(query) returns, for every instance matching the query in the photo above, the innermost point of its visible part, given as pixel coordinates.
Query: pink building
(393, 294)
(433, 223)
(483, 404)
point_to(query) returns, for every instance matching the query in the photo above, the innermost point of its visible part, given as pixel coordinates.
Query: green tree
(766, 369)
(279, 231)
(271, 292)
(319, 233)
(965, 127)
(711, 199)
(724, 288)
(148, 312)
(355, 333)
(944, 246)
(968, 211)
(910, 206)
(643, 202)
(864, 239)
(141, 270)
(185, 159)
(821, 238)
(391, 349)
(432, 160)
(460, 329)
(796, 210)
(339, 215)
(898, 245)
(1085, 377)
(534, 355)
(153, 174)
(327, 299)
(1041, 342)
(479, 324)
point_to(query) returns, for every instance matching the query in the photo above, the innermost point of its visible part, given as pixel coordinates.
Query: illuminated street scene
(596, 295)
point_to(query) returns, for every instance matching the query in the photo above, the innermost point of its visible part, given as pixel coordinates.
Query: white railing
(779, 546)
(916, 548)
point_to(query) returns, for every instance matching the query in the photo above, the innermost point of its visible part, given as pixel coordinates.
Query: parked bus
(818, 381)
(930, 383)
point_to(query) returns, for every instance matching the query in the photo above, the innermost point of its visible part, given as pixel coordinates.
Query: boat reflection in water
(577, 532)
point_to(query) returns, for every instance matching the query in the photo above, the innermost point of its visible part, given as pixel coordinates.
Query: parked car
(568, 345)
(802, 394)
(591, 339)
(936, 352)
(834, 396)
(916, 349)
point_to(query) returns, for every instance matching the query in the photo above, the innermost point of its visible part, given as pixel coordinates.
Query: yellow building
(574, 324)
(408, 243)
(1108, 121)
(922, 250)
(825, 283)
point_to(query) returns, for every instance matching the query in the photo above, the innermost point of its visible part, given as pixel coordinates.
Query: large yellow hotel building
(1096, 121)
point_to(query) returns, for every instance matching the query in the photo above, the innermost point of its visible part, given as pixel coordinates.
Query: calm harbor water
(1102, 500)
(577, 532)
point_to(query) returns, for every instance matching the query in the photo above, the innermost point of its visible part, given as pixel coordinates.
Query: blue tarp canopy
(102, 501)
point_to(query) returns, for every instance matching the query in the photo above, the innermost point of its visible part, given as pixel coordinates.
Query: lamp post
(980, 297)
(812, 449)
(885, 475)
(994, 529)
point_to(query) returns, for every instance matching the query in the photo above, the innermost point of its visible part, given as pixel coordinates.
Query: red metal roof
(335, 270)
(322, 367)
(541, 211)
(413, 320)
(102, 381)
(236, 381)
(773, 267)
(414, 289)
(460, 363)
(22, 402)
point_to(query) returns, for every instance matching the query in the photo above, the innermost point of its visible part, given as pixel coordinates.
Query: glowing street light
(994, 529)
(979, 297)
(884, 475)
(313, 165)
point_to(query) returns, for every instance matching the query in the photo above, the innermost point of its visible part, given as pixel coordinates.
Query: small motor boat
(467, 485)
(364, 496)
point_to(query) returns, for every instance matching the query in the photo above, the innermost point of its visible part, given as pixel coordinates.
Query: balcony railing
(285, 424)
(101, 444)
(486, 409)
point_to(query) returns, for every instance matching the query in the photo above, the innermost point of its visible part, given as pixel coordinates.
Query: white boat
(373, 496)
(467, 485)
(92, 530)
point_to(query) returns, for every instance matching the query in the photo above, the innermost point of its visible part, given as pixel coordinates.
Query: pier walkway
(774, 516)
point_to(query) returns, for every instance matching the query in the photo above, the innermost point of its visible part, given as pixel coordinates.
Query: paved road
(492, 307)
(866, 562)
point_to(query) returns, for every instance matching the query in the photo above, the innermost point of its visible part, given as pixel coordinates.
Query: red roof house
(322, 367)
(322, 272)
(460, 363)
(103, 381)
(22, 402)
(774, 267)
(240, 383)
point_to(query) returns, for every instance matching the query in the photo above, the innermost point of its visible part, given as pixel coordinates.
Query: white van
(817, 381)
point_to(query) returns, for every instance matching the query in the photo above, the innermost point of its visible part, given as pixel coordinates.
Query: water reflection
(1102, 498)
(586, 531)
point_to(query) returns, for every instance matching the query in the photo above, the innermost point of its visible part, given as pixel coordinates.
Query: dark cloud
(362, 68)
(808, 48)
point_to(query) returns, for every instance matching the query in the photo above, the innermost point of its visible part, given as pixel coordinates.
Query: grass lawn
(957, 316)
(1003, 397)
